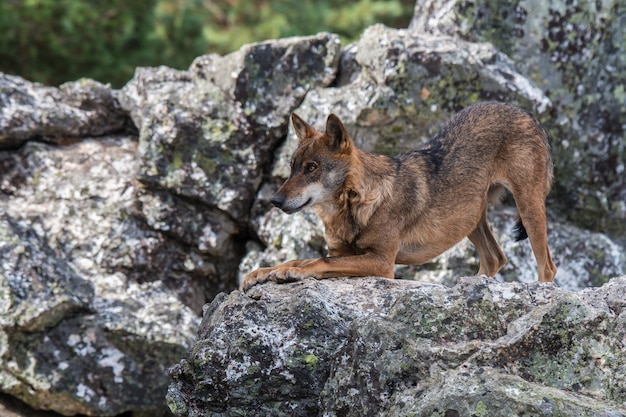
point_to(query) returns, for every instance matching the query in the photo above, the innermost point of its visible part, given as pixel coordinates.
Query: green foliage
(56, 40)
(53, 41)
(245, 21)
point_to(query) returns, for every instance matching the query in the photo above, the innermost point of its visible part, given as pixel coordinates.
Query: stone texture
(105, 360)
(11, 407)
(82, 200)
(206, 134)
(101, 231)
(82, 330)
(371, 346)
(72, 111)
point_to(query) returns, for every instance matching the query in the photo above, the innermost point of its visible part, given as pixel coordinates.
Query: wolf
(379, 211)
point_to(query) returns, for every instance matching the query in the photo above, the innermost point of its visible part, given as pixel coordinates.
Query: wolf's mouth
(291, 210)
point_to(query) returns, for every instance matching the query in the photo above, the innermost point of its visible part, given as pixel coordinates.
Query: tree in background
(53, 41)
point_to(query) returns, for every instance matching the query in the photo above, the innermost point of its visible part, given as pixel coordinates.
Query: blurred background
(53, 41)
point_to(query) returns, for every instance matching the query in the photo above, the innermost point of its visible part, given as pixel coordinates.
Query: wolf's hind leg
(532, 212)
(492, 258)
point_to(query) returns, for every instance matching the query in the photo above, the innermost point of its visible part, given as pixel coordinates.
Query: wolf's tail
(519, 230)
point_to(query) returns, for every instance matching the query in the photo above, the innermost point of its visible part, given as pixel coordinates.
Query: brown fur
(378, 211)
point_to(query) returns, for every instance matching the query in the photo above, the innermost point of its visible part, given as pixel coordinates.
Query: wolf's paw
(287, 274)
(278, 275)
(258, 276)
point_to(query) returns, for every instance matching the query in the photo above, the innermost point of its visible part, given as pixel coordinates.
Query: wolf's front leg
(278, 274)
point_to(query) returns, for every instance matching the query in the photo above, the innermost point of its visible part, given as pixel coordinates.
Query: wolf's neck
(369, 182)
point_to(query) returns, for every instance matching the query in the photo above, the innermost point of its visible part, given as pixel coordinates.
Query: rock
(194, 142)
(266, 372)
(37, 288)
(83, 200)
(371, 346)
(104, 361)
(90, 296)
(483, 391)
(575, 52)
(298, 236)
(72, 111)
(11, 407)
(269, 79)
(72, 345)
(101, 249)
(206, 134)
(409, 83)
(136, 96)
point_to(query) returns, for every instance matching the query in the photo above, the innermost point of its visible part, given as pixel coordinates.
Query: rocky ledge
(378, 347)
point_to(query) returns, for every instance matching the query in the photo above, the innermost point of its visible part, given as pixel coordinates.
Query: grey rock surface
(80, 332)
(72, 111)
(99, 231)
(207, 134)
(377, 347)
(83, 201)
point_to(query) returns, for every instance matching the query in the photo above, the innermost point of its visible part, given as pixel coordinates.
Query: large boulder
(576, 53)
(378, 347)
(82, 199)
(84, 327)
(207, 134)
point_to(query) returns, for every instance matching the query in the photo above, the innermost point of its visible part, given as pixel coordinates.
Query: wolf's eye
(310, 167)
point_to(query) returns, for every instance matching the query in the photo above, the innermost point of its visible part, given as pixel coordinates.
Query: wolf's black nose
(278, 200)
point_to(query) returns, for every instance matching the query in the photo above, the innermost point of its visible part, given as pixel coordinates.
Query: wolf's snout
(278, 200)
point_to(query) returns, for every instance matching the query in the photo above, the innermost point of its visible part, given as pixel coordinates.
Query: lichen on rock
(79, 334)
(75, 110)
(372, 346)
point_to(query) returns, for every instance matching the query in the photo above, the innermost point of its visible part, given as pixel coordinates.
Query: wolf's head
(318, 166)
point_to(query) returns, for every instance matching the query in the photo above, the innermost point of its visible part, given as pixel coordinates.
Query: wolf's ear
(337, 135)
(303, 129)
